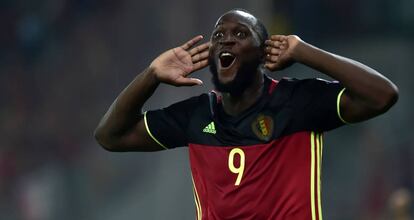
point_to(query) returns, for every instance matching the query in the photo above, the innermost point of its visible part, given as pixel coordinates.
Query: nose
(227, 39)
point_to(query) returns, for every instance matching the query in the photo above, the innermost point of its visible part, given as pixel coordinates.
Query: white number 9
(237, 170)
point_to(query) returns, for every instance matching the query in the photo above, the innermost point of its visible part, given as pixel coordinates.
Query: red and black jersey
(262, 164)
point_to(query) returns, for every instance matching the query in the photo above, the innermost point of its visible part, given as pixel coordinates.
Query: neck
(235, 104)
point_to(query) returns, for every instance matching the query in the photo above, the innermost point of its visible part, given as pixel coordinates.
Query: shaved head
(247, 19)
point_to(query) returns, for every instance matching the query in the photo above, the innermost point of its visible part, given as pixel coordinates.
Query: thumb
(183, 81)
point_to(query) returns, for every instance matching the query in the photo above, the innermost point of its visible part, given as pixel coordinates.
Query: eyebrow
(248, 26)
(243, 24)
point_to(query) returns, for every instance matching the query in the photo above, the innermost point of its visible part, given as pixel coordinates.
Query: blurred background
(62, 63)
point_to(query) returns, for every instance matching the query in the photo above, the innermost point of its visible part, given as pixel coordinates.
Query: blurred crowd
(63, 62)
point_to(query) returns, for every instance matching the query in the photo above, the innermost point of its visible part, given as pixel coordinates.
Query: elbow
(104, 139)
(388, 98)
(393, 96)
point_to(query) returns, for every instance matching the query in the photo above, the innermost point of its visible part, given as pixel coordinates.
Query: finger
(200, 65)
(183, 81)
(191, 42)
(272, 58)
(272, 66)
(272, 43)
(278, 37)
(199, 48)
(272, 51)
(200, 56)
(269, 43)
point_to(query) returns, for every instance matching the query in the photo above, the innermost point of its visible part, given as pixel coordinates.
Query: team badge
(263, 127)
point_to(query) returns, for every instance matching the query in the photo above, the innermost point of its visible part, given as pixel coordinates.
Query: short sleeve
(168, 126)
(315, 104)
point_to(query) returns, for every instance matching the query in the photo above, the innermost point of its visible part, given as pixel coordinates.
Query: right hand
(175, 65)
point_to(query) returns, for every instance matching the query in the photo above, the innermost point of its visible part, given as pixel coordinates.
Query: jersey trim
(312, 181)
(338, 109)
(197, 201)
(272, 86)
(315, 182)
(149, 132)
(319, 160)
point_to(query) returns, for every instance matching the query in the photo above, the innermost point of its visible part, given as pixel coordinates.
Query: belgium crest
(262, 126)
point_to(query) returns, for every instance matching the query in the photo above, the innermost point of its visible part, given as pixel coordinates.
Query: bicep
(160, 129)
(138, 139)
(353, 110)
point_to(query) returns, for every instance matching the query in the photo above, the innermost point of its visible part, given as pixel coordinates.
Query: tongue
(226, 61)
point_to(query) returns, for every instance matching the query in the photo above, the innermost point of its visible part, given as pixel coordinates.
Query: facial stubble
(243, 79)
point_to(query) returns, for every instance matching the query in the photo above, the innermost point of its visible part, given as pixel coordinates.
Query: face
(235, 52)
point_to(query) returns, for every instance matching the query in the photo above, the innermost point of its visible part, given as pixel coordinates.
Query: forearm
(362, 82)
(126, 110)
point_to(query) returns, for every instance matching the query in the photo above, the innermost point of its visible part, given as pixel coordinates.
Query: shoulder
(294, 91)
(307, 85)
(190, 102)
(297, 82)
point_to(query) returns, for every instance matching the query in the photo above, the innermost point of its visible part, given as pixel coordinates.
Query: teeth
(226, 54)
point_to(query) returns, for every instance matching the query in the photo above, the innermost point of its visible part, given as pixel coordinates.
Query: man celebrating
(255, 144)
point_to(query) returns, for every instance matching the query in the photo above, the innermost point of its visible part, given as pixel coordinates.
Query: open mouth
(226, 59)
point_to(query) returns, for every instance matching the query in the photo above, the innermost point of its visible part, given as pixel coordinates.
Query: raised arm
(367, 93)
(122, 128)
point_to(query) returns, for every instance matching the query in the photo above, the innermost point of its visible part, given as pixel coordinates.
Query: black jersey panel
(292, 106)
(170, 125)
(312, 104)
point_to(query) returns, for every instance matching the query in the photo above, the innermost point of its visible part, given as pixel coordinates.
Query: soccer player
(255, 144)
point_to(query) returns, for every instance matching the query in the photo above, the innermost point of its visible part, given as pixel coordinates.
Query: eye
(241, 34)
(218, 35)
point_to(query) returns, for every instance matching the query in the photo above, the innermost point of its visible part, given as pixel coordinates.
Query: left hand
(280, 51)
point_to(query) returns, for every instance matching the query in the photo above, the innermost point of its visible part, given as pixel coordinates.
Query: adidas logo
(210, 128)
